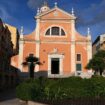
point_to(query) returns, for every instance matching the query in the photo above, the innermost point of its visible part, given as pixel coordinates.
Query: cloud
(34, 4)
(92, 15)
(4, 14)
(7, 9)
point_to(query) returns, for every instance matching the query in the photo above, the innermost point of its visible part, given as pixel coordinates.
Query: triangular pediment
(56, 13)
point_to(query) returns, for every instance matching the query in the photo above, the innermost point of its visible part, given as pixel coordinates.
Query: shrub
(24, 91)
(61, 89)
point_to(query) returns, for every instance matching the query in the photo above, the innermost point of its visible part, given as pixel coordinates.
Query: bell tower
(44, 8)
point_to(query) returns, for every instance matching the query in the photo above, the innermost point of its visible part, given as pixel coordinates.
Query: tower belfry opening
(44, 7)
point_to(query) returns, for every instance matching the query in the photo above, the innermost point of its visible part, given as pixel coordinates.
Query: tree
(97, 63)
(31, 61)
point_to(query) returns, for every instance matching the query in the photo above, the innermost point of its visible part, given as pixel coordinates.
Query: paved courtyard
(8, 97)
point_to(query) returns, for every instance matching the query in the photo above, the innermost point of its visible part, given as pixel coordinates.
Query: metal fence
(82, 102)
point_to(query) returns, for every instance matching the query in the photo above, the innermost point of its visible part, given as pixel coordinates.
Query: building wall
(102, 47)
(65, 26)
(29, 48)
(65, 47)
(48, 48)
(99, 44)
(8, 73)
(82, 49)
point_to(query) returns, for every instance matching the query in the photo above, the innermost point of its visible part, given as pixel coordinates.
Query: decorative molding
(55, 13)
(60, 56)
(55, 21)
(54, 25)
(54, 9)
(56, 42)
(55, 50)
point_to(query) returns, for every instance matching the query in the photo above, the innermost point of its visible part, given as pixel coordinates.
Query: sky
(89, 13)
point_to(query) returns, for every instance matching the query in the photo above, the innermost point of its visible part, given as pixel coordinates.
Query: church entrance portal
(55, 66)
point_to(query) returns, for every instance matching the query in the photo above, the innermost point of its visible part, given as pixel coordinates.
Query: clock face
(55, 13)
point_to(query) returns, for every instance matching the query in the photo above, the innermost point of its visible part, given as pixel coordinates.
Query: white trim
(72, 30)
(79, 62)
(81, 42)
(54, 9)
(89, 50)
(20, 59)
(60, 56)
(66, 13)
(81, 58)
(56, 21)
(73, 66)
(53, 41)
(76, 73)
(37, 35)
(61, 42)
(29, 42)
(59, 36)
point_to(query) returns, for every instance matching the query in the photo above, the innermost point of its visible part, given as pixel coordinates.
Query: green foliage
(31, 58)
(25, 91)
(97, 63)
(61, 89)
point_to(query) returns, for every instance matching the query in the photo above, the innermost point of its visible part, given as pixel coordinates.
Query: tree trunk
(101, 72)
(31, 70)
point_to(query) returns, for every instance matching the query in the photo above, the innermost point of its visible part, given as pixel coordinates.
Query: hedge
(61, 89)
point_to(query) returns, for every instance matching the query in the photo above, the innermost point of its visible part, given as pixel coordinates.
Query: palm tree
(31, 61)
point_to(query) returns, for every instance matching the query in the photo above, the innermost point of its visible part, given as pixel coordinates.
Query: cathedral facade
(61, 49)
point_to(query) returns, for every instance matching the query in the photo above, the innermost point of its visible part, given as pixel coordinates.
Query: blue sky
(89, 13)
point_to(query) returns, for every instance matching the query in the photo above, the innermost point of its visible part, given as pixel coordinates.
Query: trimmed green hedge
(61, 89)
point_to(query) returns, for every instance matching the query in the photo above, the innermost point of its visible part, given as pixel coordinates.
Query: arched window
(62, 32)
(48, 32)
(55, 31)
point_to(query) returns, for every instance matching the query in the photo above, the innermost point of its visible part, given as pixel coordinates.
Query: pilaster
(89, 50)
(37, 37)
(89, 45)
(20, 60)
(73, 63)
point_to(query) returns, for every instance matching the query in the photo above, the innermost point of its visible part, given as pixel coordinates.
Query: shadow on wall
(26, 75)
(42, 73)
